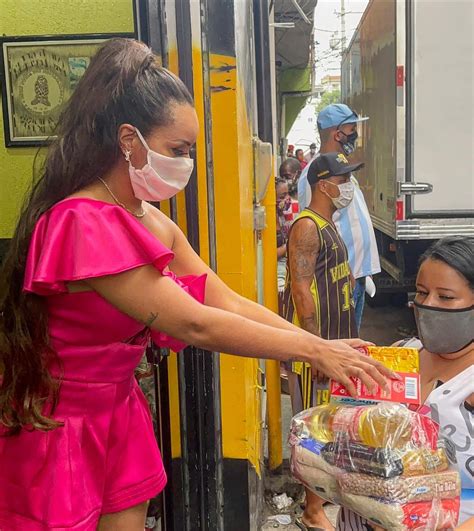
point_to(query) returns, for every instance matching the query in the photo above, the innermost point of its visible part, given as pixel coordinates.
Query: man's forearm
(309, 324)
(305, 309)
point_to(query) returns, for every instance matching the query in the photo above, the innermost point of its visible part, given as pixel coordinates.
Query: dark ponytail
(123, 84)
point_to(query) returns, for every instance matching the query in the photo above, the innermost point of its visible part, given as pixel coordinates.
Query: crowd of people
(326, 256)
(302, 158)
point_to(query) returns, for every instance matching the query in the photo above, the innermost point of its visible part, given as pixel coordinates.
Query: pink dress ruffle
(105, 457)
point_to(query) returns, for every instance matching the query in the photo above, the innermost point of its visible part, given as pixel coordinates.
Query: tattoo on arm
(309, 324)
(304, 246)
(151, 318)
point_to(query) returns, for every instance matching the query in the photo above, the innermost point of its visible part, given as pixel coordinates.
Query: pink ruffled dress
(105, 458)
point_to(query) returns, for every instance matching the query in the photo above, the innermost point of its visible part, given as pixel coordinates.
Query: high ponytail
(123, 84)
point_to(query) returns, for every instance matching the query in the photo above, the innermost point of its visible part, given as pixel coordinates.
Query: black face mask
(444, 331)
(349, 145)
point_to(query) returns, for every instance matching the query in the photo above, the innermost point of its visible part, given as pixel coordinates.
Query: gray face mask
(444, 331)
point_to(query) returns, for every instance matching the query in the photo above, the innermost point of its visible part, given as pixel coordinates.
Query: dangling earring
(127, 155)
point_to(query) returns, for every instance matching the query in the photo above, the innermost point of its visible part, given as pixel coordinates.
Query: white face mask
(346, 194)
(162, 177)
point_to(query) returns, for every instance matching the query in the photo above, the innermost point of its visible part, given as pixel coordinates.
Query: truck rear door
(441, 107)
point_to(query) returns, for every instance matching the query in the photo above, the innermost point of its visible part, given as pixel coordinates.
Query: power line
(332, 30)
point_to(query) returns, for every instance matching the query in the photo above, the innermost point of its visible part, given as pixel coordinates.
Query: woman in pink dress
(93, 272)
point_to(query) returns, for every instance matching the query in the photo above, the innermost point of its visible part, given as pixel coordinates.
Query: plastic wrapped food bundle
(383, 461)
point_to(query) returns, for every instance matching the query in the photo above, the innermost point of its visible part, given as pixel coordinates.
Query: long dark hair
(455, 251)
(123, 84)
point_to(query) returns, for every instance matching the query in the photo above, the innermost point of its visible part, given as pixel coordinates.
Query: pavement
(387, 324)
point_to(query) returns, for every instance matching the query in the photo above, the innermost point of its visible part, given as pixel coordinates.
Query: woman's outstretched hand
(338, 360)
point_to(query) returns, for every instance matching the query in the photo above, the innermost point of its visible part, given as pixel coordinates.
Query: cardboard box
(404, 361)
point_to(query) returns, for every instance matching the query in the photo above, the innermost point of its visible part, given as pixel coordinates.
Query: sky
(327, 21)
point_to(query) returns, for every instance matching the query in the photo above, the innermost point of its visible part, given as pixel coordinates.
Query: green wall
(47, 17)
(294, 80)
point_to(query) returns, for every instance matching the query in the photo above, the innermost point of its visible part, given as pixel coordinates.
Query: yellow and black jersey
(331, 287)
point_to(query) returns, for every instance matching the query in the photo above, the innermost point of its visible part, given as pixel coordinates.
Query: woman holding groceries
(92, 273)
(444, 312)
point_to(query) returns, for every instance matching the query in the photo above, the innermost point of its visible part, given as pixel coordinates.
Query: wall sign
(39, 76)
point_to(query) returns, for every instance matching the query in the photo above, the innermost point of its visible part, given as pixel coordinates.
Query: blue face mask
(350, 143)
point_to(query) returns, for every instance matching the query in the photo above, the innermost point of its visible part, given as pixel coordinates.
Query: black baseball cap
(330, 164)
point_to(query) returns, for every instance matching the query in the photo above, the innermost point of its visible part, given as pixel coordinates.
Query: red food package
(435, 514)
(404, 361)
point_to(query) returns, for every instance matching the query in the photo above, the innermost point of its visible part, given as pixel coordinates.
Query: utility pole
(343, 26)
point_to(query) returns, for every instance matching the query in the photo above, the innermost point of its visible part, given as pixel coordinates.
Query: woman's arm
(218, 294)
(159, 303)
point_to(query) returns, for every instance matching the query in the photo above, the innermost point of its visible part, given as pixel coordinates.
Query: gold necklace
(139, 215)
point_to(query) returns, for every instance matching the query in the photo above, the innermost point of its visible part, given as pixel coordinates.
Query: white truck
(409, 67)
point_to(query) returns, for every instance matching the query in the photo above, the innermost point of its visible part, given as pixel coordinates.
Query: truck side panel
(368, 80)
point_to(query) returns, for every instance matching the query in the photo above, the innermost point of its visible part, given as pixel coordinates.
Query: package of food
(402, 360)
(403, 489)
(424, 461)
(313, 472)
(385, 462)
(423, 516)
(380, 426)
(355, 457)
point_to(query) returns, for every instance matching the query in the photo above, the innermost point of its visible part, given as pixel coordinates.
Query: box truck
(409, 67)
